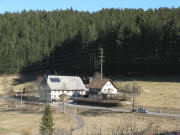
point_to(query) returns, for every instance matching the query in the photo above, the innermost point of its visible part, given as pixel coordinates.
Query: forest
(134, 41)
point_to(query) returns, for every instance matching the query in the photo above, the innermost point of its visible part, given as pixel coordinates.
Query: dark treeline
(134, 41)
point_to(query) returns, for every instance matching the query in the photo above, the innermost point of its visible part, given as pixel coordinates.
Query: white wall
(55, 94)
(109, 88)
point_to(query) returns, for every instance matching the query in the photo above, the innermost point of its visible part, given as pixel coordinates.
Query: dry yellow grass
(14, 122)
(8, 82)
(157, 94)
(106, 121)
(154, 94)
(30, 85)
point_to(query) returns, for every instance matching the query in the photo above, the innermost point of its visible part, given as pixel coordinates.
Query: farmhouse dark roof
(98, 84)
(65, 83)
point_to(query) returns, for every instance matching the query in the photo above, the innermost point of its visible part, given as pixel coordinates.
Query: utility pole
(21, 96)
(101, 49)
(133, 103)
(62, 98)
(63, 105)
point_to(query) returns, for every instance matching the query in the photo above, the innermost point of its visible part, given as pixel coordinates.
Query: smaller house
(101, 89)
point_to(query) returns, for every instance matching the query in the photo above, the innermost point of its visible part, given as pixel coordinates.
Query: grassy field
(17, 83)
(106, 121)
(13, 121)
(160, 94)
(7, 83)
(156, 92)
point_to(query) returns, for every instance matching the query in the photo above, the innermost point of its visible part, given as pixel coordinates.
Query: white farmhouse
(53, 86)
(101, 89)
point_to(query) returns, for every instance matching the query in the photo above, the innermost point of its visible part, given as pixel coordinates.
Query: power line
(65, 62)
(69, 58)
(72, 56)
(71, 53)
(66, 65)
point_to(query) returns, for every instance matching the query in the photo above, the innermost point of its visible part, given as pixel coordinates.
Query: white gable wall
(109, 88)
(56, 93)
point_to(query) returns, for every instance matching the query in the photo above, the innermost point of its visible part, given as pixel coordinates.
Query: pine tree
(46, 125)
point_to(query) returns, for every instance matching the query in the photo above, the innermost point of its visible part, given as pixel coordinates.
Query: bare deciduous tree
(132, 90)
(97, 75)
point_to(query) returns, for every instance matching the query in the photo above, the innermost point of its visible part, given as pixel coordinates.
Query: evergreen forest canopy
(134, 41)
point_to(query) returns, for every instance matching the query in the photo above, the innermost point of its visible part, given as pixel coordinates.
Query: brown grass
(26, 131)
(12, 121)
(106, 121)
(8, 82)
(157, 94)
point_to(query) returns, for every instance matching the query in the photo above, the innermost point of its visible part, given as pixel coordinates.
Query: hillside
(7, 83)
(134, 41)
(16, 83)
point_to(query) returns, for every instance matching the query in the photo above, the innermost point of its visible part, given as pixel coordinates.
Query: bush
(26, 131)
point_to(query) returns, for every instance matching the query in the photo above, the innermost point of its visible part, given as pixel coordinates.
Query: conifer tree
(134, 41)
(46, 125)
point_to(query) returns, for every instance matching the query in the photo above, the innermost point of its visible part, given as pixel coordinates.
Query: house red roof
(99, 83)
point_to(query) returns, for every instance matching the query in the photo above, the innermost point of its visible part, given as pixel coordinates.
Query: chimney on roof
(90, 79)
(55, 72)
